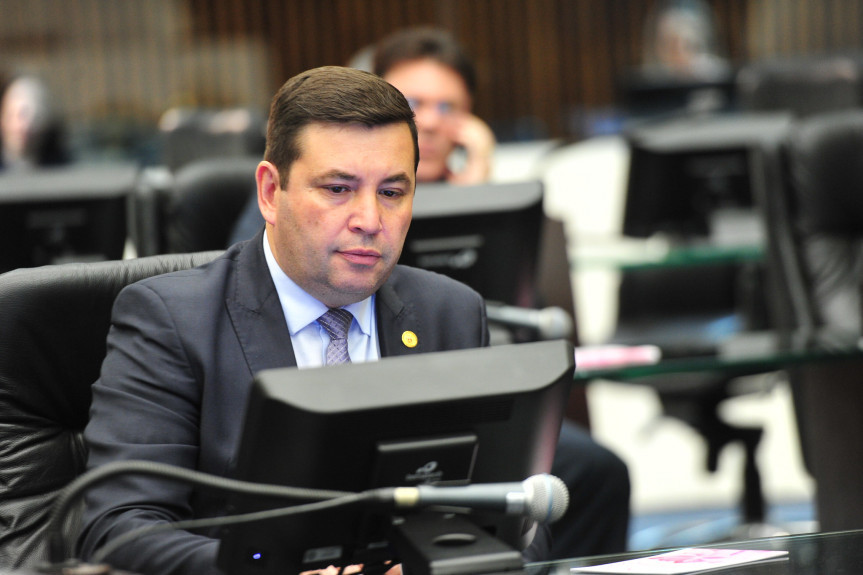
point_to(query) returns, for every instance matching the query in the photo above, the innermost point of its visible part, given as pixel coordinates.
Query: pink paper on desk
(690, 560)
(614, 356)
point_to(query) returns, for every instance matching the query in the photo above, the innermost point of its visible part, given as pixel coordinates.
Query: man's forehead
(335, 129)
(429, 79)
(333, 163)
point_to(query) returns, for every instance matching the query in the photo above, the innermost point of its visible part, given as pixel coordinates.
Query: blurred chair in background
(206, 199)
(816, 239)
(194, 209)
(53, 332)
(801, 85)
(208, 161)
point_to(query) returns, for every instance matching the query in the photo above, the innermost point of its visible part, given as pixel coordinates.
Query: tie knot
(336, 322)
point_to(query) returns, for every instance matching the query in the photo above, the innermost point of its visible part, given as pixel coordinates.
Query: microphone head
(548, 497)
(554, 323)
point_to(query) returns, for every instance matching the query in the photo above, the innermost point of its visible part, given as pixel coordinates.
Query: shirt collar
(301, 309)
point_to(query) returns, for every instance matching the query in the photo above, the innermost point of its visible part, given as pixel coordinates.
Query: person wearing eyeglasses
(438, 80)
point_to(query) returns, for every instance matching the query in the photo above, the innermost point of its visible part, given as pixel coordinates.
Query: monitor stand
(448, 544)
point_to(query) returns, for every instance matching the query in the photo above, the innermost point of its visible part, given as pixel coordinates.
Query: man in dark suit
(336, 189)
(438, 78)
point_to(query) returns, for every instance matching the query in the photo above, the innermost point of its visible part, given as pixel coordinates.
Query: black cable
(72, 492)
(189, 524)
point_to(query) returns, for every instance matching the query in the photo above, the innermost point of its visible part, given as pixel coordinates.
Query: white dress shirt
(309, 339)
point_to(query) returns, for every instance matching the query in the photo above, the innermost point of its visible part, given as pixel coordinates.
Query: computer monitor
(486, 236)
(63, 214)
(468, 416)
(645, 95)
(696, 178)
(676, 193)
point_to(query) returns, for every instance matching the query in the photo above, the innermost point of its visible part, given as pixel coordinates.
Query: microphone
(549, 322)
(543, 497)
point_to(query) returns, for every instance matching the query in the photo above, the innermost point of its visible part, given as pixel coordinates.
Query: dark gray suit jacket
(182, 351)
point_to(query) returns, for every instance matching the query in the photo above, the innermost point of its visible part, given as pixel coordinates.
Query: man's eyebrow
(401, 178)
(335, 175)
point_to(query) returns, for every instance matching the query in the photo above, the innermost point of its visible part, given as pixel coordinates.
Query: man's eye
(337, 189)
(445, 108)
(391, 193)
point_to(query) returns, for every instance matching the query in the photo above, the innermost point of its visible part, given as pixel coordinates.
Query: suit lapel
(397, 322)
(256, 312)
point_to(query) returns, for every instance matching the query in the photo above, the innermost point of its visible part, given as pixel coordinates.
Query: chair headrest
(826, 168)
(208, 196)
(53, 327)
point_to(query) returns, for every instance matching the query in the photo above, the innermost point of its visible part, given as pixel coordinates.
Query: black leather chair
(194, 209)
(206, 200)
(54, 321)
(816, 252)
(687, 312)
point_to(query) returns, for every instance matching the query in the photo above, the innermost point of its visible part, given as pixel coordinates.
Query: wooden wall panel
(541, 62)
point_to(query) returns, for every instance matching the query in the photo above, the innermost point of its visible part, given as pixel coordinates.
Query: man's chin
(357, 289)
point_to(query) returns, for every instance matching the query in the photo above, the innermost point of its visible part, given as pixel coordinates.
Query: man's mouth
(361, 256)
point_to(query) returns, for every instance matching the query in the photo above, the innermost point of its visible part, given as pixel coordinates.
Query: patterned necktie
(336, 322)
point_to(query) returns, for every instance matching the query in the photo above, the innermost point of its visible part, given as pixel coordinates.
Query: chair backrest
(207, 198)
(801, 85)
(814, 214)
(54, 321)
(822, 248)
(194, 209)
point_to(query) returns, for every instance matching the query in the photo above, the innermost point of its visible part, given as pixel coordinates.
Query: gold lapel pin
(409, 338)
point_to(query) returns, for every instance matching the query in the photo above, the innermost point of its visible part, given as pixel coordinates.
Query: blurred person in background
(433, 72)
(680, 42)
(31, 133)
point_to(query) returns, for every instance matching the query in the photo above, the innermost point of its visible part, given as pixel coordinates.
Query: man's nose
(366, 215)
(428, 116)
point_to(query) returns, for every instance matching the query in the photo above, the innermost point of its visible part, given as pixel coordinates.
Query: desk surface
(746, 352)
(815, 554)
(657, 253)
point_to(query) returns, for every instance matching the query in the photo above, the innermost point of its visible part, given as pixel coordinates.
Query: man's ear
(267, 178)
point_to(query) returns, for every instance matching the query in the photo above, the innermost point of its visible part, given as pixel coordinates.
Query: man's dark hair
(331, 95)
(424, 42)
